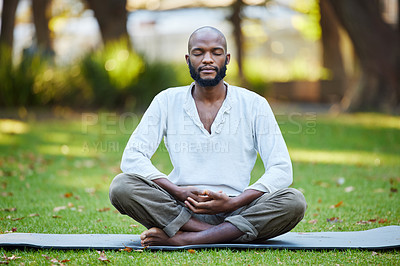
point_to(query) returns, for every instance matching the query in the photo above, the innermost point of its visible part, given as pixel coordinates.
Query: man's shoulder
(174, 91)
(245, 94)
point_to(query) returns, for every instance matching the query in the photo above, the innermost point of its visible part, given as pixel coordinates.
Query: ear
(228, 58)
(187, 59)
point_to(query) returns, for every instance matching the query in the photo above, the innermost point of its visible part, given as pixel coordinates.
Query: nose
(207, 59)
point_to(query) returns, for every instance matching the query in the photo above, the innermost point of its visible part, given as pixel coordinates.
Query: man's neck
(209, 94)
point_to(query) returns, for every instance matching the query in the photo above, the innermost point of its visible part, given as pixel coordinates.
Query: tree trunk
(41, 22)
(236, 20)
(111, 16)
(331, 54)
(376, 45)
(7, 27)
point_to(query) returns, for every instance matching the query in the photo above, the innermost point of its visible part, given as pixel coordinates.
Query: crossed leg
(269, 216)
(224, 232)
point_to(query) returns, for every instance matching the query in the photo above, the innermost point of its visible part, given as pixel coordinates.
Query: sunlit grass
(350, 158)
(10, 126)
(343, 157)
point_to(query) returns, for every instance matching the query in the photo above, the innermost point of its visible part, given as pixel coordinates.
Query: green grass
(70, 162)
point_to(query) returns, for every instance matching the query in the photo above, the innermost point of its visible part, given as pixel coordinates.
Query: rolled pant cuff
(250, 232)
(178, 222)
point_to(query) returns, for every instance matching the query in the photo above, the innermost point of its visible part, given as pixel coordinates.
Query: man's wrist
(245, 198)
(234, 204)
(172, 189)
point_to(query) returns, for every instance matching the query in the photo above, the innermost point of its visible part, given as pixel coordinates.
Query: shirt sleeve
(269, 143)
(144, 141)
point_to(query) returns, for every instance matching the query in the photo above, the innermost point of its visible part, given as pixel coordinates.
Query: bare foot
(216, 234)
(155, 237)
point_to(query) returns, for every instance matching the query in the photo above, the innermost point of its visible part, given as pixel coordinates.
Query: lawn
(55, 173)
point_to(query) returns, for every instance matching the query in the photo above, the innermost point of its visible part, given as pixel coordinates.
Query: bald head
(207, 31)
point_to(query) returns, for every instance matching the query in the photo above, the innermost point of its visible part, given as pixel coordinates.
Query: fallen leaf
(70, 204)
(54, 260)
(103, 210)
(393, 190)
(33, 214)
(379, 190)
(13, 257)
(191, 251)
(334, 220)
(56, 216)
(17, 219)
(133, 225)
(382, 221)
(336, 205)
(102, 256)
(7, 194)
(14, 229)
(313, 221)
(68, 195)
(59, 208)
(127, 249)
(349, 189)
(374, 253)
(46, 257)
(366, 222)
(9, 210)
(319, 200)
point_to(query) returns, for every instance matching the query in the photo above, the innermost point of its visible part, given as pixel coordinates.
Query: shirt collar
(227, 102)
(190, 109)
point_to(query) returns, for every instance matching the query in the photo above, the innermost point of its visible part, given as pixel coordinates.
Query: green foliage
(17, 80)
(110, 74)
(113, 77)
(308, 25)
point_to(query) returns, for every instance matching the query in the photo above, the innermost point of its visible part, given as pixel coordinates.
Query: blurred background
(117, 54)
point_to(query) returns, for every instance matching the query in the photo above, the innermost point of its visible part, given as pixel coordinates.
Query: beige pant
(270, 215)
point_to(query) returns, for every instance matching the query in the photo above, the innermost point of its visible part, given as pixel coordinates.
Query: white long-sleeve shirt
(220, 160)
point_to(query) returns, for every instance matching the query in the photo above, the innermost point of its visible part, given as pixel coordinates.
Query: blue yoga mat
(375, 239)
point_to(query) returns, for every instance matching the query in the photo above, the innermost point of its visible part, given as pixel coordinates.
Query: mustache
(208, 67)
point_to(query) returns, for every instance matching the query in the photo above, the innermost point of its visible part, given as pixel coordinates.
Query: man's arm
(272, 149)
(145, 140)
(218, 202)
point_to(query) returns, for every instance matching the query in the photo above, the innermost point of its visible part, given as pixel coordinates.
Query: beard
(221, 73)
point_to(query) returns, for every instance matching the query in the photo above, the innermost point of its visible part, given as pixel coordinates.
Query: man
(212, 131)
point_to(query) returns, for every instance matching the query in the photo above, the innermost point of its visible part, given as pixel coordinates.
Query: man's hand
(184, 193)
(211, 203)
(181, 193)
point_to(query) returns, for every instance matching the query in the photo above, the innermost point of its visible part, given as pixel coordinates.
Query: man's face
(207, 59)
(207, 81)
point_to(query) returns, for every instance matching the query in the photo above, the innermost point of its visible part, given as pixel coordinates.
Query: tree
(236, 20)
(7, 27)
(376, 45)
(331, 53)
(41, 21)
(112, 17)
